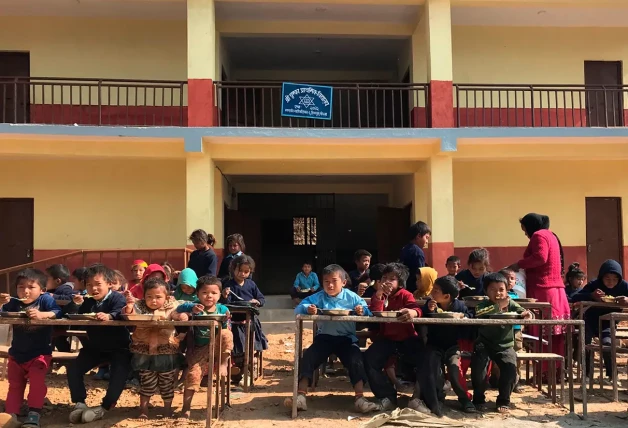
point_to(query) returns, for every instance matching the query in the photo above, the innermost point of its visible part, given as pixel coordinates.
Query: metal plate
(215, 317)
(445, 315)
(139, 317)
(14, 314)
(84, 317)
(386, 314)
(525, 300)
(609, 299)
(475, 298)
(506, 316)
(335, 312)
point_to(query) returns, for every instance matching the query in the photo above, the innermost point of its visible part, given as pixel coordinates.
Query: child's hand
(362, 288)
(406, 314)
(312, 310)
(34, 314)
(622, 300)
(4, 298)
(183, 317)
(101, 316)
(130, 300)
(527, 315)
(432, 305)
(597, 295)
(198, 308)
(254, 302)
(461, 285)
(359, 310)
(226, 292)
(78, 299)
(387, 288)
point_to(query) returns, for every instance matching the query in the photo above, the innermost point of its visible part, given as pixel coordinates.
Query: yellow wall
(104, 48)
(91, 204)
(491, 197)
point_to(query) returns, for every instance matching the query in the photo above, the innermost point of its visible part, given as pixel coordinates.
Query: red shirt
(541, 261)
(401, 299)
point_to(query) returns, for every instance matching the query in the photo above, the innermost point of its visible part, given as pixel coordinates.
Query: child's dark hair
(361, 253)
(80, 273)
(241, 261)
(506, 272)
(32, 274)
(419, 228)
(99, 269)
(574, 272)
(121, 279)
(59, 271)
(448, 285)
(453, 259)
(400, 270)
(201, 235)
(206, 280)
(493, 278)
(376, 272)
(332, 269)
(307, 262)
(238, 239)
(479, 255)
(154, 283)
(167, 266)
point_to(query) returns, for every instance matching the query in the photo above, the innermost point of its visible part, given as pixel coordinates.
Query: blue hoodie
(621, 289)
(346, 299)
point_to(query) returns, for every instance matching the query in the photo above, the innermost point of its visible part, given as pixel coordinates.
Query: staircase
(277, 315)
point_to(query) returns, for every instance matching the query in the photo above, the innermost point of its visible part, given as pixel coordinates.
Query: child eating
(452, 265)
(575, 279)
(336, 338)
(471, 280)
(511, 277)
(442, 349)
(208, 289)
(186, 286)
(305, 284)
(155, 349)
(30, 353)
(359, 277)
(104, 344)
(425, 278)
(495, 343)
(59, 283)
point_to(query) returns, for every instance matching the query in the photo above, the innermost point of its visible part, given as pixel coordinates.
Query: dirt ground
(331, 403)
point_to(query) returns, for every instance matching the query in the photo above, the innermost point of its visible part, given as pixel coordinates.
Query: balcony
(484, 105)
(355, 105)
(106, 102)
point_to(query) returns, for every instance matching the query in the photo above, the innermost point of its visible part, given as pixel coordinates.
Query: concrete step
(276, 315)
(278, 302)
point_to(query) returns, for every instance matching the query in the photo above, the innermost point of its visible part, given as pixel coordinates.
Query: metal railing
(120, 259)
(479, 105)
(355, 105)
(111, 102)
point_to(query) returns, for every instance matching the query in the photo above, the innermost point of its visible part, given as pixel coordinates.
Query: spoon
(236, 296)
(18, 299)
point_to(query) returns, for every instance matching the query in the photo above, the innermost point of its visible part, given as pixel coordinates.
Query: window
(304, 231)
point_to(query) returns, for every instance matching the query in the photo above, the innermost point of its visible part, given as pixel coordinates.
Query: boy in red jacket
(392, 338)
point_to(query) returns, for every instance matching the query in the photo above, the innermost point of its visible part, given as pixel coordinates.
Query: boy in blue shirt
(305, 284)
(336, 338)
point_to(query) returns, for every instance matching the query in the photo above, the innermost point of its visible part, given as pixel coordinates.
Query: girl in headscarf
(543, 262)
(425, 278)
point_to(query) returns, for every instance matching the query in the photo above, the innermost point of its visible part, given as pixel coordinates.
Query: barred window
(304, 230)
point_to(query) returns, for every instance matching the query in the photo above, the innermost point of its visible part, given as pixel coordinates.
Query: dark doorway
(16, 234)
(604, 104)
(392, 231)
(248, 225)
(14, 96)
(604, 232)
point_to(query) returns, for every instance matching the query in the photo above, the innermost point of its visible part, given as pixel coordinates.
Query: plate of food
(85, 317)
(445, 314)
(140, 317)
(524, 300)
(14, 314)
(475, 298)
(386, 314)
(304, 290)
(210, 317)
(608, 299)
(335, 312)
(507, 316)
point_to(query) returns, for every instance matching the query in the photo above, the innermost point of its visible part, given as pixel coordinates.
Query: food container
(335, 312)
(304, 290)
(609, 299)
(525, 300)
(140, 317)
(475, 298)
(506, 316)
(84, 317)
(454, 315)
(14, 314)
(386, 314)
(215, 317)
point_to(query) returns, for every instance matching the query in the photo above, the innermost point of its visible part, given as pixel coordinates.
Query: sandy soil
(331, 403)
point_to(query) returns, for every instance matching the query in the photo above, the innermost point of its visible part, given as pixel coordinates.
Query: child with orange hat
(137, 273)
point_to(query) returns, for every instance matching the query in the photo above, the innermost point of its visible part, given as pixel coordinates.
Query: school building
(129, 123)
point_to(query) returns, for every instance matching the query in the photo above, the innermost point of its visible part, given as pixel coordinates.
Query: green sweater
(496, 337)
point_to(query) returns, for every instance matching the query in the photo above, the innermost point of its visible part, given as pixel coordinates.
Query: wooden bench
(593, 349)
(57, 357)
(553, 359)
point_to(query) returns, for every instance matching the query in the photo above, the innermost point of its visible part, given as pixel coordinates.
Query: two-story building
(127, 124)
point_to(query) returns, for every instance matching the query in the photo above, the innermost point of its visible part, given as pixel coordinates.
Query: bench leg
(552, 380)
(563, 373)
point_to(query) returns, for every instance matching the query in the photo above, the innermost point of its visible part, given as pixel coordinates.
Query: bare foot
(143, 415)
(185, 413)
(223, 369)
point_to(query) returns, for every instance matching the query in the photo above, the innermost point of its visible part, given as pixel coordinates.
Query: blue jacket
(346, 299)
(446, 336)
(478, 283)
(30, 341)
(305, 282)
(64, 291)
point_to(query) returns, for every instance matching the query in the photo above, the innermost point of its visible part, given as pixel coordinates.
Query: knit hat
(139, 262)
(188, 277)
(428, 276)
(152, 268)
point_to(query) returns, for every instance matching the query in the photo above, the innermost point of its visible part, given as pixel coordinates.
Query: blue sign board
(307, 101)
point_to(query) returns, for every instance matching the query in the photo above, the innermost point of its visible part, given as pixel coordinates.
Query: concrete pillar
(199, 189)
(440, 210)
(201, 62)
(219, 210)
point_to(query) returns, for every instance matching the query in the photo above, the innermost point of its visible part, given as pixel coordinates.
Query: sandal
(503, 409)
(468, 407)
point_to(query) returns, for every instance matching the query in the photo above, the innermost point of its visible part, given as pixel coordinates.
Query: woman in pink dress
(543, 262)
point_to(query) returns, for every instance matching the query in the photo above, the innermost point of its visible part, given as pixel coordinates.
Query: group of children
(153, 354)
(398, 287)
